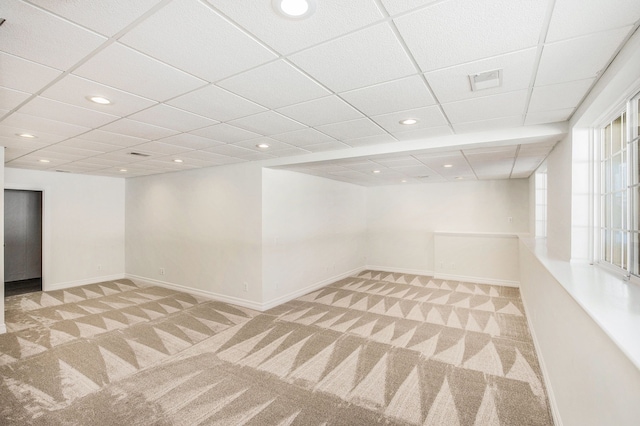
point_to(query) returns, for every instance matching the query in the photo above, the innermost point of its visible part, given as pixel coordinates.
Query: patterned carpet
(377, 348)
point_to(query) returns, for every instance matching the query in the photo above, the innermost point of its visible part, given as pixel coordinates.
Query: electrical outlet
(99, 267)
(161, 271)
(510, 219)
(246, 286)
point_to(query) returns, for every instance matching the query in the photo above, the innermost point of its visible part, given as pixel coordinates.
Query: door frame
(46, 234)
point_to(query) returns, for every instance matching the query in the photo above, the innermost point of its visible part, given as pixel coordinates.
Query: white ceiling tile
(482, 125)
(526, 165)
(229, 150)
(327, 110)
(331, 19)
(453, 84)
(486, 154)
(41, 37)
(208, 159)
(190, 141)
(397, 95)
(291, 152)
(10, 140)
(326, 146)
(274, 145)
(423, 133)
(26, 76)
(9, 98)
(304, 137)
(66, 113)
(181, 32)
(36, 125)
(216, 103)
(161, 148)
(427, 117)
(14, 153)
(92, 14)
(75, 90)
(90, 145)
(578, 58)
(274, 85)
(558, 96)
(173, 118)
(267, 123)
(258, 156)
(572, 18)
(370, 140)
(486, 108)
(225, 133)
(370, 56)
(552, 116)
(137, 129)
(353, 129)
(458, 31)
(112, 138)
(51, 153)
(398, 6)
(152, 79)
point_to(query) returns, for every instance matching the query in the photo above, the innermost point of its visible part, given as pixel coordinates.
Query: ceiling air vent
(486, 80)
(140, 154)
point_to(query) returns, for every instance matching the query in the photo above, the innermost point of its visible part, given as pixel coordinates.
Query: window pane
(607, 141)
(617, 248)
(616, 135)
(635, 202)
(607, 211)
(617, 211)
(618, 170)
(607, 176)
(635, 266)
(607, 245)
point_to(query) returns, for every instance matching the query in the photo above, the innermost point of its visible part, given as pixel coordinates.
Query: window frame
(629, 265)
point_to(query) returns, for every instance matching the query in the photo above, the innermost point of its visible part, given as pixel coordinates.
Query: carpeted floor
(378, 348)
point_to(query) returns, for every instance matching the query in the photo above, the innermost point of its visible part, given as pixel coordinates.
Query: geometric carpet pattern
(375, 348)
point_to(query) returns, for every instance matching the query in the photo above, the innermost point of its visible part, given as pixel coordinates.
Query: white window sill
(612, 302)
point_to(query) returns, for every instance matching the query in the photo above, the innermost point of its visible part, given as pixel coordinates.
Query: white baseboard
(555, 412)
(59, 286)
(308, 289)
(400, 270)
(479, 280)
(3, 328)
(204, 293)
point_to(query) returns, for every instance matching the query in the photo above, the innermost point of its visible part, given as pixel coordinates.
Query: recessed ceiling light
(403, 181)
(459, 178)
(262, 145)
(408, 121)
(177, 160)
(123, 170)
(43, 161)
(376, 171)
(26, 135)
(448, 166)
(99, 100)
(294, 9)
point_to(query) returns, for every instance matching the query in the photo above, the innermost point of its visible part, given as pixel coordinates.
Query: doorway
(22, 241)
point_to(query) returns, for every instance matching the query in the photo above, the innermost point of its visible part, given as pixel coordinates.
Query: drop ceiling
(205, 82)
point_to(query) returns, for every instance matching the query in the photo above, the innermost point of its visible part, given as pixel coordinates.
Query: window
(541, 201)
(619, 202)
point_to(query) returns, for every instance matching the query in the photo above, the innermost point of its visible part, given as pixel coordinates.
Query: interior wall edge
(197, 292)
(478, 280)
(85, 281)
(308, 289)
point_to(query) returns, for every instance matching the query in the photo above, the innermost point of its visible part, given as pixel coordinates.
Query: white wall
(3, 328)
(313, 231)
(559, 177)
(83, 220)
(591, 380)
(401, 219)
(204, 227)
